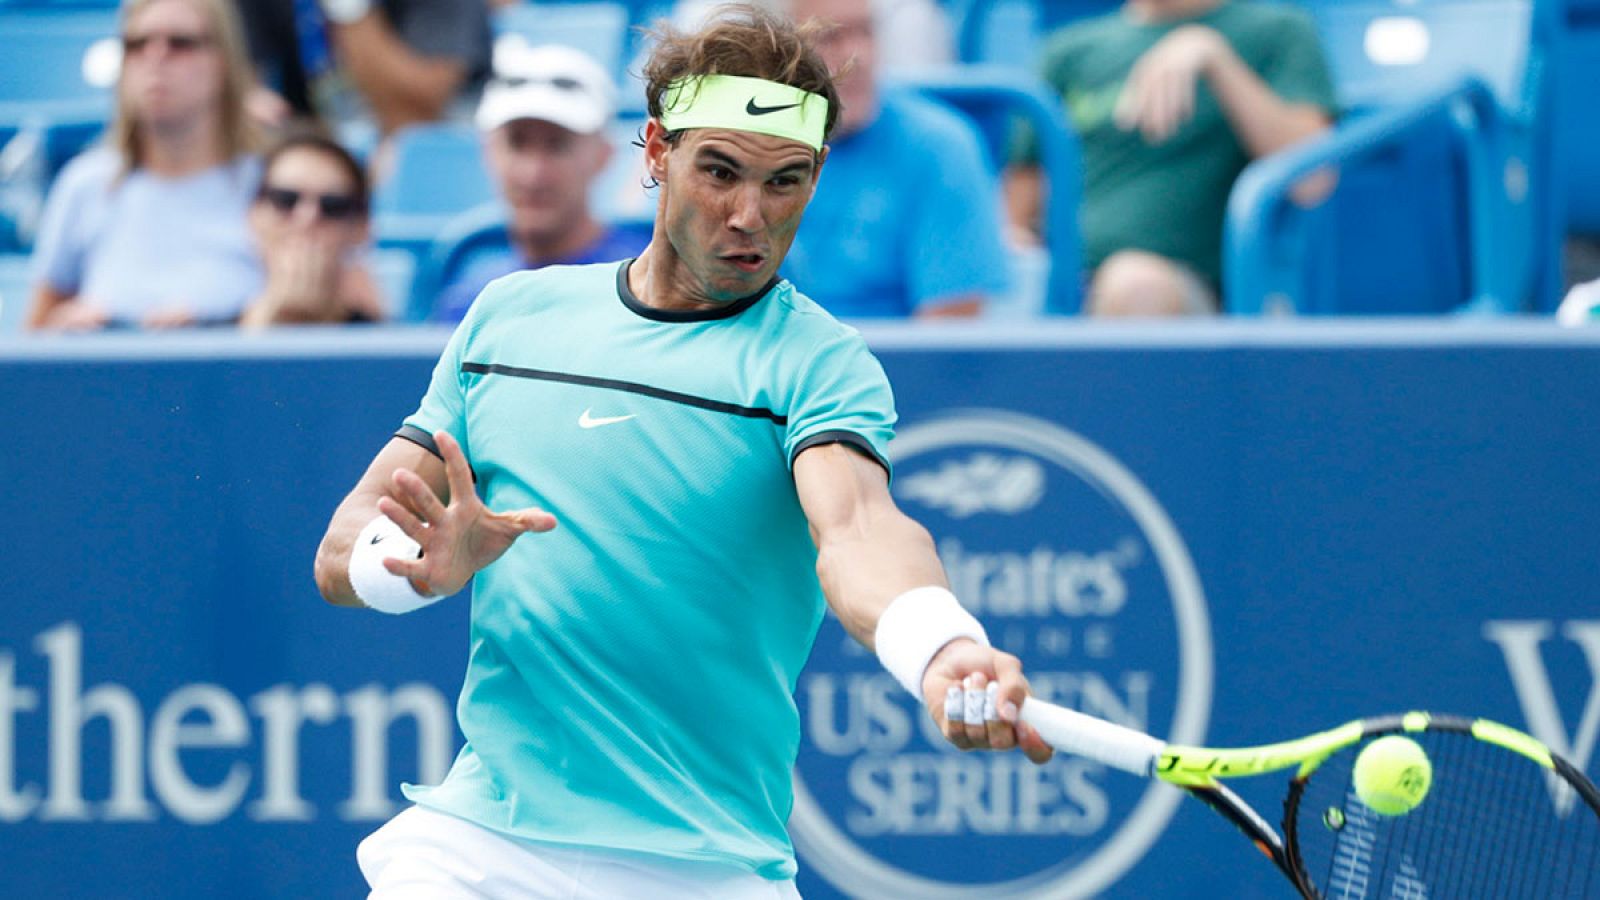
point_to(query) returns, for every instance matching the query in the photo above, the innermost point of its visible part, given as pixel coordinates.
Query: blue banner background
(1359, 502)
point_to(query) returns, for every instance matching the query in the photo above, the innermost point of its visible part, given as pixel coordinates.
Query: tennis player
(713, 444)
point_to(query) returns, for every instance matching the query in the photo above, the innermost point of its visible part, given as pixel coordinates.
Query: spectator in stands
(1171, 99)
(906, 220)
(150, 228)
(310, 224)
(543, 119)
(351, 63)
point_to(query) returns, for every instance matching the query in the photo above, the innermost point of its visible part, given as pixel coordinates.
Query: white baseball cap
(551, 83)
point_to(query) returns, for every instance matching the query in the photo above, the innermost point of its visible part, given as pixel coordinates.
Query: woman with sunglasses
(148, 230)
(310, 224)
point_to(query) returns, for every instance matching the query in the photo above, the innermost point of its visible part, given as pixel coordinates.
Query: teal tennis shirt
(632, 673)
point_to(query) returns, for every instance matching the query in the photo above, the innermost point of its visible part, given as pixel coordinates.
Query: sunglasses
(333, 207)
(177, 43)
(559, 82)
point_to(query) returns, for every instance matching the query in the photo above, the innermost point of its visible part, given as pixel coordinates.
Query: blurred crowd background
(253, 163)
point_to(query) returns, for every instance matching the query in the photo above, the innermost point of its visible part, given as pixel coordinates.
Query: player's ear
(656, 149)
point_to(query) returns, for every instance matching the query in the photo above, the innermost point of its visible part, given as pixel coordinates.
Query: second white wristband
(915, 627)
(377, 586)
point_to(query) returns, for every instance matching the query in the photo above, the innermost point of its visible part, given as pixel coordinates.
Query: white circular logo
(995, 464)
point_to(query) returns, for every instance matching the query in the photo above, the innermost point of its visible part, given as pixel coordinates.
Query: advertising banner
(1218, 536)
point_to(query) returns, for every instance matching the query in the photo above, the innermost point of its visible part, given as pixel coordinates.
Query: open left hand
(964, 665)
(456, 539)
(1159, 96)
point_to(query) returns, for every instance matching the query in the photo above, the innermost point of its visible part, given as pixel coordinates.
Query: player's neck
(661, 280)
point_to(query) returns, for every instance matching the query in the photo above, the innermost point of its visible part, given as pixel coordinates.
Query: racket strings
(1492, 825)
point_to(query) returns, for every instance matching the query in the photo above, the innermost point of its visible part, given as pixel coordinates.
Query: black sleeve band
(850, 439)
(425, 440)
(419, 437)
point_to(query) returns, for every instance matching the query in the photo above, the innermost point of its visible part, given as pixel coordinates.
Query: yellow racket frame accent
(1204, 766)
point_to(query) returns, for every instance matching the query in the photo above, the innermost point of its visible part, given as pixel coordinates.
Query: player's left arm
(869, 556)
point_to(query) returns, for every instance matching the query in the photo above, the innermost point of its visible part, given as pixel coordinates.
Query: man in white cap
(543, 119)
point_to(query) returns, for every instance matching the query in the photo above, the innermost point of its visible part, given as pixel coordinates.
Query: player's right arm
(361, 507)
(432, 501)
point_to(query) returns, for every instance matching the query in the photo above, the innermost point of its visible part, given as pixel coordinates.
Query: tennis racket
(1504, 816)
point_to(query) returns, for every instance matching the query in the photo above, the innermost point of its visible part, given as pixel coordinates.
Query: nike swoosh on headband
(755, 110)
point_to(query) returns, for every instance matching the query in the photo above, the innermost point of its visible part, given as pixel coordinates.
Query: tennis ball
(1392, 775)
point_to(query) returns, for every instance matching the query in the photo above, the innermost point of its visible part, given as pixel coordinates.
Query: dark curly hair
(740, 39)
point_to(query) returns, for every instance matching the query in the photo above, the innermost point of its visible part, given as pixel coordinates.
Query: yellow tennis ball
(1392, 775)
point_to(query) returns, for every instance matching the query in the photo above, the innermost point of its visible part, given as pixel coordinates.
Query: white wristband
(915, 627)
(376, 586)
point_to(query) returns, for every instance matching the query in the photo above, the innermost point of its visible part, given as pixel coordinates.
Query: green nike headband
(745, 104)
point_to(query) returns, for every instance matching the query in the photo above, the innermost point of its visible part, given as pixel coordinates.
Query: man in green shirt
(1171, 99)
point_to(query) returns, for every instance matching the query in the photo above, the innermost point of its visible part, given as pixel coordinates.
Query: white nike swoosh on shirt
(588, 421)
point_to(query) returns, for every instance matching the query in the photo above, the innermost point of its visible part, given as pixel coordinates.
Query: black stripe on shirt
(733, 409)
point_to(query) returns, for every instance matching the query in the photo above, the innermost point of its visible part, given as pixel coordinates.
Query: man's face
(730, 204)
(849, 41)
(544, 172)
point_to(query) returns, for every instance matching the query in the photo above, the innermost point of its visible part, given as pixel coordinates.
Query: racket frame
(1198, 769)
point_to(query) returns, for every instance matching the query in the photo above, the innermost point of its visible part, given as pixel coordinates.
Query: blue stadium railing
(1397, 56)
(1284, 257)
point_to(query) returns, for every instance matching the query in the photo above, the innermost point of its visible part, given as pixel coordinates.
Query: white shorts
(422, 854)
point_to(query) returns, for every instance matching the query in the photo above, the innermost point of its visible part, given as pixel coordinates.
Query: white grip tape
(1104, 742)
(972, 706)
(376, 586)
(915, 627)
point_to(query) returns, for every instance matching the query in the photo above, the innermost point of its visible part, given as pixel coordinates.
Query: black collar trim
(638, 307)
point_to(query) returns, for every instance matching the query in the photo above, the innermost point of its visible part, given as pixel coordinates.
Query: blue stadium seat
(994, 98)
(476, 231)
(438, 173)
(598, 29)
(49, 107)
(1444, 170)
(1011, 33)
(43, 67)
(394, 270)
